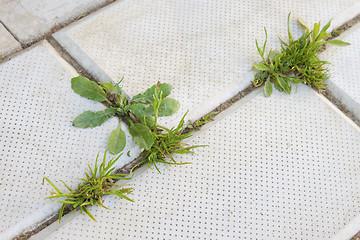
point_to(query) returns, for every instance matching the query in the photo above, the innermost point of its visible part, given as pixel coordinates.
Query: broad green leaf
(141, 112)
(110, 111)
(277, 86)
(140, 98)
(268, 89)
(164, 88)
(316, 30)
(168, 106)
(108, 86)
(338, 43)
(322, 35)
(284, 84)
(296, 80)
(88, 89)
(92, 119)
(303, 24)
(117, 141)
(137, 109)
(261, 67)
(141, 135)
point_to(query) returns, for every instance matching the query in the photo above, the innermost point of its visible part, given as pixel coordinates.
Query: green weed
(138, 112)
(167, 142)
(297, 62)
(99, 182)
(141, 113)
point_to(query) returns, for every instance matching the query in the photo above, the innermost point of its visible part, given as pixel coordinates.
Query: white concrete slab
(37, 138)
(8, 44)
(285, 167)
(30, 19)
(344, 82)
(205, 49)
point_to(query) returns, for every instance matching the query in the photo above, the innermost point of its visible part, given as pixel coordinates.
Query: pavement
(284, 167)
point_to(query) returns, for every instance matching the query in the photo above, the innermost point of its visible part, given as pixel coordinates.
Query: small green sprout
(99, 182)
(297, 62)
(202, 121)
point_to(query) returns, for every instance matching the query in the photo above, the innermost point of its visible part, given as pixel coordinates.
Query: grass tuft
(167, 142)
(297, 62)
(90, 191)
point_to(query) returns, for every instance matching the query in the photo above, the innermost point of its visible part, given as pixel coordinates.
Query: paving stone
(284, 167)
(29, 20)
(8, 44)
(37, 137)
(205, 50)
(344, 82)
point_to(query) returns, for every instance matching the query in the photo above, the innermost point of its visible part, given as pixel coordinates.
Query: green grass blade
(67, 186)
(61, 212)
(288, 28)
(88, 213)
(263, 50)
(53, 185)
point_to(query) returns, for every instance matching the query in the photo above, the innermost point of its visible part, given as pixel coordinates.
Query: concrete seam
(51, 30)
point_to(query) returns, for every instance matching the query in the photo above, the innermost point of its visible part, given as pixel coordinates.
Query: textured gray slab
(205, 49)
(30, 19)
(344, 82)
(37, 138)
(8, 44)
(285, 167)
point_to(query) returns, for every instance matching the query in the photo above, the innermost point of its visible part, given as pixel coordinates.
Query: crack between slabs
(346, 26)
(52, 30)
(338, 104)
(330, 96)
(36, 228)
(13, 35)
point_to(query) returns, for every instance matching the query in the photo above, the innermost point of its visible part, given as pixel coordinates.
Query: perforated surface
(205, 49)
(8, 44)
(264, 176)
(37, 138)
(30, 19)
(345, 80)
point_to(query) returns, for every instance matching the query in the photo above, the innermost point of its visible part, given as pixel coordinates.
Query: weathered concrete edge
(80, 57)
(56, 28)
(13, 232)
(343, 101)
(346, 16)
(15, 44)
(349, 230)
